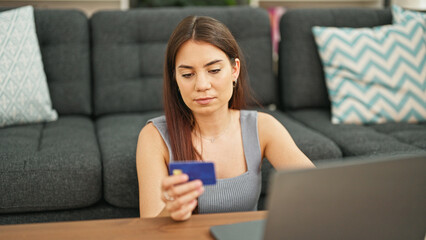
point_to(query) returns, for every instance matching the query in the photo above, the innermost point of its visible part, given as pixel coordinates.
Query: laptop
(371, 199)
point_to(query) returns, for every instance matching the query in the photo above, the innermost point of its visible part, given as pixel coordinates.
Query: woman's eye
(214, 71)
(188, 75)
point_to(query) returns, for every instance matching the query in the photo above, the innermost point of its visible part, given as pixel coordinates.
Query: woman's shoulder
(148, 131)
(267, 123)
(263, 116)
(151, 144)
(153, 127)
(150, 137)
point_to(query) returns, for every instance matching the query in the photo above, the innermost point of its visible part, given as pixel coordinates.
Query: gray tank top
(235, 194)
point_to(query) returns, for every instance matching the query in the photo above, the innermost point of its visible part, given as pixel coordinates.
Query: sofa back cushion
(24, 94)
(65, 45)
(129, 51)
(300, 69)
(63, 36)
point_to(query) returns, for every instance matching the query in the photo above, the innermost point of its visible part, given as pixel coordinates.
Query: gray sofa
(304, 93)
(105, 77)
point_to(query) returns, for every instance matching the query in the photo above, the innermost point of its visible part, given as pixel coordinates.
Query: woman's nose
(202, 83)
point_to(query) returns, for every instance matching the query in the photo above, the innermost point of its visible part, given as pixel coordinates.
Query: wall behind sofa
(87, 6)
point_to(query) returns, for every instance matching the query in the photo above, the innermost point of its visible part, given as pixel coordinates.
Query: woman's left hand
(180, 196)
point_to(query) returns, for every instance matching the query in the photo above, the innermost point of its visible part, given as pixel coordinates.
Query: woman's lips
(204, 101)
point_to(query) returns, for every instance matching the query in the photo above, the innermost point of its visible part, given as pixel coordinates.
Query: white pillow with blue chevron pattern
(24, 94)
(400, 15)
(375, 75)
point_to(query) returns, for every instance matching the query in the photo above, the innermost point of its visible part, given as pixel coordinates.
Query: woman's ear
(236, 69)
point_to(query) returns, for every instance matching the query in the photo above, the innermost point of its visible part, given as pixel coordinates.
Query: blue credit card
(195, 170)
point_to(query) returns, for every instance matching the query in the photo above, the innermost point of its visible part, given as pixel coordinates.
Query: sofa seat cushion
(100, 210)
(355, 140)
(49, 166)
(313, 144)
(118, 137)
(414, 134)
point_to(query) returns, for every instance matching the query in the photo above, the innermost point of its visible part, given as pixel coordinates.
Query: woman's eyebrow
(212, 62)
(206, 65)
(185, 66)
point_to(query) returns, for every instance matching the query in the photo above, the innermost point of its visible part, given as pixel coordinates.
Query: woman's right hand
(180, 196)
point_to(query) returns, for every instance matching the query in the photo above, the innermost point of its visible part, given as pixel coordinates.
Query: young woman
(205, 83)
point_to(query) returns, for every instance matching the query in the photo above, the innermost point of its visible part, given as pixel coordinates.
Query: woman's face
(204, 76)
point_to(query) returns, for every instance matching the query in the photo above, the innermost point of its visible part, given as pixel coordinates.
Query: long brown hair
(179, 118)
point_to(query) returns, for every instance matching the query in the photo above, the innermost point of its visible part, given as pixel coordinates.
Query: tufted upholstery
(129, 47)
(64, 43)
(128, 54)
(300, 68)
(355, 140)
(55, 165)
(49, 166)
(83, 165)
(305, 95)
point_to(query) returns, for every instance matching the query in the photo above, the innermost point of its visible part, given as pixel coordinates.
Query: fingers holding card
(184, 185)
(203, 171)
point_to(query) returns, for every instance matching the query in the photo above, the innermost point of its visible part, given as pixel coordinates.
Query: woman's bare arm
(278, 146)
(151, 165)
(151, 161)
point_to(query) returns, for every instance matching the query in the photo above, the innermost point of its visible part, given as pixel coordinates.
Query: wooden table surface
(128, 228)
